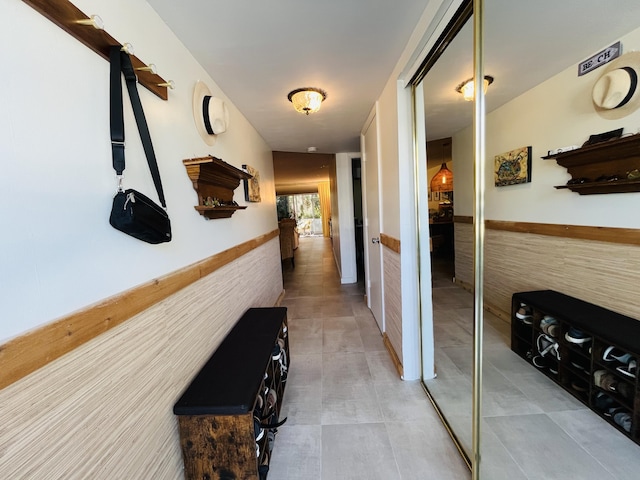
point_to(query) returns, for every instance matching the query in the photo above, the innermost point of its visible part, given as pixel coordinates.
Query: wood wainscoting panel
(605, 273)
(463, 247)
(25, 354)
(393, 299)
(105, 409)
(390, 242)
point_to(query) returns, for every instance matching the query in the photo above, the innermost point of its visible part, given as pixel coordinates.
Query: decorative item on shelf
(512, 168)
(616, 93)
(307, 100)
(210, 113)
(467, 87)
(215, 180)
(603, 137)
(251, 185)
(608, 165)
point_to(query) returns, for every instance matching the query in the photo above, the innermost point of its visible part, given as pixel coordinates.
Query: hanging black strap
(115, 111)
(121, 62)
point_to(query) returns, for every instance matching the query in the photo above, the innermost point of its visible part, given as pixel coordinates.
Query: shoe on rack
(626, 390)
(576, 336)
(525, 313)
(579, 366)
(628, 370)
(258, 430)
(603, 402)
(547, 322)
(605, 380)
(612, 354)
(623, 419)
(548, 346)
(554, 331)
(263, 468)
(579, 386)
(539, 361)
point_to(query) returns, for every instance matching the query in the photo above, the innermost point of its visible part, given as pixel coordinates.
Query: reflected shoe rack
(588, 350)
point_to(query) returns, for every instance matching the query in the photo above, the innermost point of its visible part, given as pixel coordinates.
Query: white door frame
(368, 250)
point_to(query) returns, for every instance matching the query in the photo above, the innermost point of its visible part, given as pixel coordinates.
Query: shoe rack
(588, 350)
(229, 414)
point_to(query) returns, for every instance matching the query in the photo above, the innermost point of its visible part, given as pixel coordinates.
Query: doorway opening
(356, 175)
(305, 209)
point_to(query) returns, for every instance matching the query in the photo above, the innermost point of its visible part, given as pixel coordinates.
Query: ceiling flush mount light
(466, 87)
(307, 100)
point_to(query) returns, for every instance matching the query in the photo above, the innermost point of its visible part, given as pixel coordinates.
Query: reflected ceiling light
(443, 180)
(307, 100)
(466, 87)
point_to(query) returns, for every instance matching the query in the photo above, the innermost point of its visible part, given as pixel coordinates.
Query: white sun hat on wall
(209, 113)
(616, 93)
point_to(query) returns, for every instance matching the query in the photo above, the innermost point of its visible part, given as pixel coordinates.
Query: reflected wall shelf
(607, 159)
(215, 179)
(66, 15)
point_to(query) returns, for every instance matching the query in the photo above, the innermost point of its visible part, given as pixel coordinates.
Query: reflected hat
(210, 113)
(617, 92)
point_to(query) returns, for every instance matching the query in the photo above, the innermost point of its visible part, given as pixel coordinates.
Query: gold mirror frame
(468, 8)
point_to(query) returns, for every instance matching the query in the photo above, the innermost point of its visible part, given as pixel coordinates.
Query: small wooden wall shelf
(66, 15)
(614, 158)
(215, 179)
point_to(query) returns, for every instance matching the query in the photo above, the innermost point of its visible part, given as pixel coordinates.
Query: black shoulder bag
(132, 212)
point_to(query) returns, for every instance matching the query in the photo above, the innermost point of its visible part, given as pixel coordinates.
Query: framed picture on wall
(252, 186)
(512, 168)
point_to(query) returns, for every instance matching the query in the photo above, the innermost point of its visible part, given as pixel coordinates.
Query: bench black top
(228, 383)
(610, 326)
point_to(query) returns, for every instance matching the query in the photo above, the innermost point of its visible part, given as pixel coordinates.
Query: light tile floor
(349, 414)
(350, 417)
(532, 428)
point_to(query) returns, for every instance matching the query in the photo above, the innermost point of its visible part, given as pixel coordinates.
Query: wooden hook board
(64, 14)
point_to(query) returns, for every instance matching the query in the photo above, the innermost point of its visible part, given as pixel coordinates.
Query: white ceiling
(257, 51)
(526, 43)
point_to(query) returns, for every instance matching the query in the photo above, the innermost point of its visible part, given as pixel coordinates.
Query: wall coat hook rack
(68, 17)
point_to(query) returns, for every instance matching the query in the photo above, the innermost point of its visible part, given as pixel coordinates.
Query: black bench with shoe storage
(228, 415)
(590, 351)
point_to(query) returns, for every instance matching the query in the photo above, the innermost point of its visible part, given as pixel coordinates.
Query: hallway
(349, 414)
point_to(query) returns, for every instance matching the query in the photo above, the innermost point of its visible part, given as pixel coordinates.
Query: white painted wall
(58, 253)
(554, 114)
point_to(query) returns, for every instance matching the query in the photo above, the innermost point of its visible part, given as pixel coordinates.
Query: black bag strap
(121, 64)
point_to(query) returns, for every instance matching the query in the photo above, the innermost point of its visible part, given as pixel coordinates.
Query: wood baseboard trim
(390, 242)
(498, 312)
(625, 236)
(462, 219)
(25, 354)
(280, 298)
(467, 286)
(394, 356)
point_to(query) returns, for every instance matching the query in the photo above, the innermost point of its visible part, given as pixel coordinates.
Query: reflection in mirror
(537, 423)
(445, 113)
